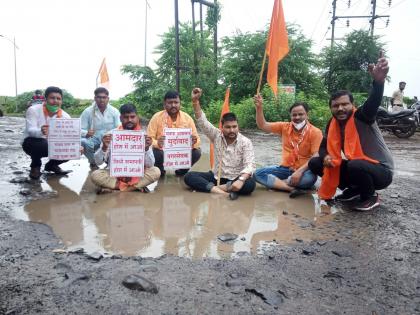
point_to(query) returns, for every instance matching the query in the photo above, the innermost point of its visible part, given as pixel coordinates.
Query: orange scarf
(168, 123)
(47, 113)
(352, 150)
(122, 185)
(294, 155)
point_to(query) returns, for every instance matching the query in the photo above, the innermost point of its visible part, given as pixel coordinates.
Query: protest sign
(177, 148)
(64, 139)
(127, 153)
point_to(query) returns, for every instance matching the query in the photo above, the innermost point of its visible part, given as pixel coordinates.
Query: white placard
(64, 139)
(177, 148)
(127, 153)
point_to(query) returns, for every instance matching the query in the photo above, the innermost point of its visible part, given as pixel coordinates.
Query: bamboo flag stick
(261, 72)
(219, 171)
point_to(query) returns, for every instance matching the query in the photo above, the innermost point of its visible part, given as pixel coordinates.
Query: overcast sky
(63, 42)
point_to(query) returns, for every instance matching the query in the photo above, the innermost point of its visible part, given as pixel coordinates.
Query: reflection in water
(172, 219)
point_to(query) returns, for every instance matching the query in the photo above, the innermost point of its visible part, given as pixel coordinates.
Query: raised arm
(259, 114)
(206, 127)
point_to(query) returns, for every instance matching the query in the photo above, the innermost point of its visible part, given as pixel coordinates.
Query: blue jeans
(267, 175)
(90, 145)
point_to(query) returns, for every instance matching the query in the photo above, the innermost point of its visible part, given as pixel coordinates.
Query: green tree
(69, 102)
(345, 65)
(243, 55)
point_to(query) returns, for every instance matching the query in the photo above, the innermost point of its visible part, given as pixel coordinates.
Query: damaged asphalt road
(370, 264)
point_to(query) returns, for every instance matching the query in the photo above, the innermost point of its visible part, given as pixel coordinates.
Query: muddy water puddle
(172, 219)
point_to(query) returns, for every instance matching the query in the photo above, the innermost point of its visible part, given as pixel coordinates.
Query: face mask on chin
(52, 108)
(299, 126)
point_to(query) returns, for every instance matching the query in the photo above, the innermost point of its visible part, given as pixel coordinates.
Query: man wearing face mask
(353, 155)
(35, 142)
(234, 157)
(300, 141)
(172, 117)
(101, 178)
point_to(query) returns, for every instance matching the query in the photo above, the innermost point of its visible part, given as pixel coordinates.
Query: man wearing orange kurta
(300, 141)
(172, 117)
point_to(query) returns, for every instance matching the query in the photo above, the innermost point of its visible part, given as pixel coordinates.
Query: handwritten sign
(64, 139)
(127, 153)
(177, 148)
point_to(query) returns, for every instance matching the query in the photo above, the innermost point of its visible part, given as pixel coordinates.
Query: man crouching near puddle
(130, 121)
(234, 156)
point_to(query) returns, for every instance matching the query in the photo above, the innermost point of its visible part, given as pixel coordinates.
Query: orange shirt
(296, 151)
(159, 121)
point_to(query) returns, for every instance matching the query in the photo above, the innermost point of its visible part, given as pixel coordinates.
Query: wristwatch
(241, 178)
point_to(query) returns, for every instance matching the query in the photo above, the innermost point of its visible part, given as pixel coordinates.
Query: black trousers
(195, 156)
(205, 181)
(357, 174)
(37, 148)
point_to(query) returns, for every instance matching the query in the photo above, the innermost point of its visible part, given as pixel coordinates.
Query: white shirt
(35, 119)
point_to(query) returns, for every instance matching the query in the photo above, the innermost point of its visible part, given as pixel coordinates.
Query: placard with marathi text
(127, 153)
(177, 148)
(64, 139)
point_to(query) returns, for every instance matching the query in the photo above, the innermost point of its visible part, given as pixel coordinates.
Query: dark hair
(297, 104)
(402, 82)
(38, 92)
(228, 117)
(101, 90)
(340, 93)
(52, 89)
(128, 108)
(170, 95)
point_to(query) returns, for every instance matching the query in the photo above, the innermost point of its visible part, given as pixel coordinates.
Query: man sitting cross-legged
(130, 121)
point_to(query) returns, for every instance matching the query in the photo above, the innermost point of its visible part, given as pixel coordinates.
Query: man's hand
(196, 94)
(194, 139)
(328, 161)
(237, 185)
(295, 178)
(380, 70)
(44, 130)
(258, 101)
(90, 133)
(82, 150)
(161, 142)
(148, 142)
(106, 140)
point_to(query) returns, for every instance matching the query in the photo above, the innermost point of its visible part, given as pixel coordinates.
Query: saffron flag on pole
(277, 45)
(103, 75)
(225, 109)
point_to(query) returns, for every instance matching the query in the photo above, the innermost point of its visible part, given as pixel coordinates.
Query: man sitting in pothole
(234, 155)
(300, 142)
(102, 178)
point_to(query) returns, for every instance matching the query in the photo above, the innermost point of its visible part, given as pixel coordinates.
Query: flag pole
(261, 72)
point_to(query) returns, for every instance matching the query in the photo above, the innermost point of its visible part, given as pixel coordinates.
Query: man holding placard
(35, 142)
(96, 120)
(173, 118)
(234, 156)
(127, 151)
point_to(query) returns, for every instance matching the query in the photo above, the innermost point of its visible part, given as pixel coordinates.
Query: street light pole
(14, 54)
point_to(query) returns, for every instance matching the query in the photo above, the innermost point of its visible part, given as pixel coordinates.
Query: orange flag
(225, 109)
(103, 75)
(277, 45)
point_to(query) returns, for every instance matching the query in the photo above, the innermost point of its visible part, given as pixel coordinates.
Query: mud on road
(352, 263)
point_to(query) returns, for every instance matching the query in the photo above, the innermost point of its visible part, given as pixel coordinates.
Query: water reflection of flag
(225, 109)
(277, 45)
(103, 75)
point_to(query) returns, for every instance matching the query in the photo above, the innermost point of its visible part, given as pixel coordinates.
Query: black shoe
(368, 204)
(233, 195)
(348, 194)
(35, 173)
(296, 193)
(55, 169)
(181, 172)
(93, 166)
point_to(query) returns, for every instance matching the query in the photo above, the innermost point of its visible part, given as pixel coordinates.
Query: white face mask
(300, 125)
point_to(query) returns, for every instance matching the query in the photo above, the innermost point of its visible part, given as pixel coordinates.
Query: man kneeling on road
(130, 121)
(367, 164)
(300, 141)
(234, 156)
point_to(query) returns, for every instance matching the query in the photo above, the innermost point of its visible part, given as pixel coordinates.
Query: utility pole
(178, 82)
(372, 20)
(145, 33)
(334, 5)
(194, 44)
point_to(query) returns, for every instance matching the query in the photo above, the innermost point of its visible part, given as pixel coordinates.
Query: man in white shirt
(95, 121)
(130, 121)
(397, 100)
(35, 142)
